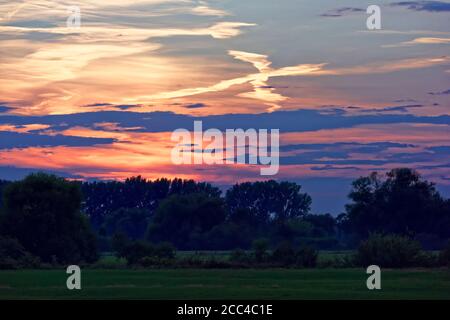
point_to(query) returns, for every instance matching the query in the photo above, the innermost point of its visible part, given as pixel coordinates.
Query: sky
(101, 101)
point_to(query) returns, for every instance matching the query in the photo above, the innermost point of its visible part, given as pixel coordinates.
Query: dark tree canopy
(268, 201)
(43, 213)
(3, 184)
(185, 220)
(105, 197)
(403, 203)
(130, 221)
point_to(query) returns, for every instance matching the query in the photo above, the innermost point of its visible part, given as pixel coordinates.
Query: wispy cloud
(261, 91)
(430, 6)
(339, 12)
(422, 40)
(441, 93)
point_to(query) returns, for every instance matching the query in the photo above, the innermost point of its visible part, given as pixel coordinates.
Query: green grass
(226, 284)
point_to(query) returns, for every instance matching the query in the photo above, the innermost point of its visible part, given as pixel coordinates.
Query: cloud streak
(430, 6)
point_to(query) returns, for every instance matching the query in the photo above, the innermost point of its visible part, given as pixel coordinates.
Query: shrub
(165, 250)
(346, 261)
(119, 244)
(14, 256)
(306, 257)
(239, 256)
(391, 251)
(191, 261)
(284, 254)
(260, 247)
(136, 250)
(444, 256)
(156, 262)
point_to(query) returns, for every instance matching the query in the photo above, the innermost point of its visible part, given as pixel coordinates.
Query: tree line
(59, 221)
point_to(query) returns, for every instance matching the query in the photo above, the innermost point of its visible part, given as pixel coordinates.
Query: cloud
(429, 41)
(60, 76)
(195, 105)
(261, 90)
(157, 122)
(388, 66)
(16, 140)
(89, 34)
(430, 6)
(4, 108)
(441, 93)
(13, 173)
(127, 143)
(204, 10)
(102, 104)
(402, 109)
(91, 8)
(342, 12)
(422, 40)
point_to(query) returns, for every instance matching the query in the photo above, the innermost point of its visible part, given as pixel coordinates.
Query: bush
(165, 250)
(346, 261)
(444, 256)
(191, 261)
(14, 256)
(148, 262)
(119, 244)
(306, 257)
(260, 247)
(239, 256)
(284, 254)
(390, 251)
(135, 252)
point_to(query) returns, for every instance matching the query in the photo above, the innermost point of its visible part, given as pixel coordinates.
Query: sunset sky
(101, 101)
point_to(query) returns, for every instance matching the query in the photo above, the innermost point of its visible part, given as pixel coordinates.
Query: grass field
(225, 284)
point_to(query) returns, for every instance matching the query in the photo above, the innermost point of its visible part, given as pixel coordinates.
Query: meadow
(287, 284)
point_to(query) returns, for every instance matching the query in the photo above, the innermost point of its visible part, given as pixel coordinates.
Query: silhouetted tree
(402, 204)
(3, 184)
(102, 198)
(132, 222)
(43, 213)
(268, 201)
(185, 220)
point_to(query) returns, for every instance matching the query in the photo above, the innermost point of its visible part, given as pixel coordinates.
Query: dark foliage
(119, 244)
(444, 256)
(186, 220)
(3, 184)
(14, 256)
(261, 250)
(402, 204)
(145, 254)
(43, 213)
(130, 221)
(101, 199)
(391, 251)
(286, 255)
(268, 201)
